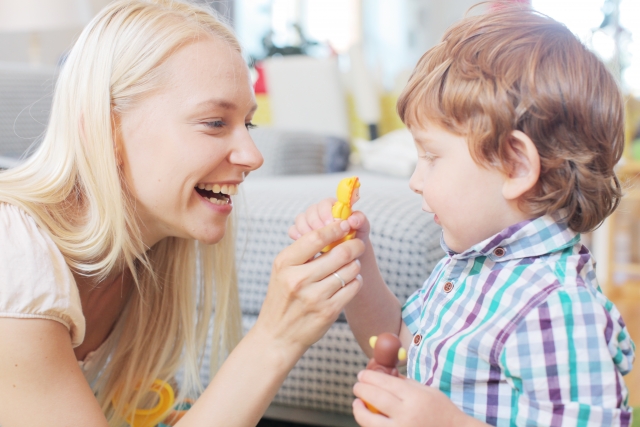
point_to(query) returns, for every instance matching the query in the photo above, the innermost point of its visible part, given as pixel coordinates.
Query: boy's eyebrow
(425, 141)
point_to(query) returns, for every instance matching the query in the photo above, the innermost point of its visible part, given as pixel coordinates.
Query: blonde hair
(515, 69)
(73, 188)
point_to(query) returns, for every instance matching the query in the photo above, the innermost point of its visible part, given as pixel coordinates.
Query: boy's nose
(415, 183)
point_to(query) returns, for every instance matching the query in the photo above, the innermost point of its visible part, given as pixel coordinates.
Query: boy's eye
(250, 125)
(428, 157)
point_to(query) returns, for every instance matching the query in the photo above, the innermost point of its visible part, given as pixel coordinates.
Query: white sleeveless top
(35, 280)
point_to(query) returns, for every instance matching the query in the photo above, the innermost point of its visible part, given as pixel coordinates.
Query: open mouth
(216, 193)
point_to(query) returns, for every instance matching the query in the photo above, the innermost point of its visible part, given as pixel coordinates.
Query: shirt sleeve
(411, 311)
(562, 366)
(35, 280)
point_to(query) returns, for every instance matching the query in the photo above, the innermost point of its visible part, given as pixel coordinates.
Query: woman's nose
(246, 154)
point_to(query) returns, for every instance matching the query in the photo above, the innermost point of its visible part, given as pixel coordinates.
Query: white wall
(14, 47)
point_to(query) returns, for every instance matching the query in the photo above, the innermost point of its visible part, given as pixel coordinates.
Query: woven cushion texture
(406, 242)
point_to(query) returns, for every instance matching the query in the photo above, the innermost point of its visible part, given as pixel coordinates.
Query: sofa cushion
(406, 240)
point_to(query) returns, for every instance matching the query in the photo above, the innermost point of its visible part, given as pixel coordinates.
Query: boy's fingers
(302, 225)
(313, 218)
(379, 397)
(366, 418)
(324, 209)
(311, 243)
(358, 221)
(394, 385)
(293, 233)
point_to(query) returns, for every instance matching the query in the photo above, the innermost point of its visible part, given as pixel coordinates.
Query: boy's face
(465, 197)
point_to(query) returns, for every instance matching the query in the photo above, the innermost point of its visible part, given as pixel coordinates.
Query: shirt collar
(530, 238)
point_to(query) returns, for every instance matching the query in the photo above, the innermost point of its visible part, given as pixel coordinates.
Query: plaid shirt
(516, 332)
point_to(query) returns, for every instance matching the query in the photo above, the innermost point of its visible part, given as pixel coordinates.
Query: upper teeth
(228, 189)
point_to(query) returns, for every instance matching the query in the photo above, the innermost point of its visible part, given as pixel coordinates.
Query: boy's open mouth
(216, 193)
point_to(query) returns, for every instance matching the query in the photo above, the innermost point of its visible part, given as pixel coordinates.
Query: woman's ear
(524, 166)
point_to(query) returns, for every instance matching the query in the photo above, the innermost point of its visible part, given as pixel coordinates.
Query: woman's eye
(215, 124)
(250, 125)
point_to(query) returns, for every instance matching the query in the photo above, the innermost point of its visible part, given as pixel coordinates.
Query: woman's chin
(210, 239)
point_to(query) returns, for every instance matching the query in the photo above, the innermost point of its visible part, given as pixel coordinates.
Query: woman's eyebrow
(222, 103)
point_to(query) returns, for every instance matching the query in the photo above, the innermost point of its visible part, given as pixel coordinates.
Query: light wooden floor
(628, 302)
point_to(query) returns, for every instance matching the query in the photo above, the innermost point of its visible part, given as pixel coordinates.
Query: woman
(116, 230)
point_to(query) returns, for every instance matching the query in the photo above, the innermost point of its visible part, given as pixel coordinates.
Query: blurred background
(334, 69)
(373, 43)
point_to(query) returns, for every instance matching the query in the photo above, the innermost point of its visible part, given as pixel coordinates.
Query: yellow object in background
(632, 127)
(262, 116)
(389, 120)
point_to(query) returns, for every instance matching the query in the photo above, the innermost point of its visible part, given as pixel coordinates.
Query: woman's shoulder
(35, 280)
(21, 235)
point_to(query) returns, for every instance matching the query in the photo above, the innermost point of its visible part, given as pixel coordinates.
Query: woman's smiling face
(186, 147)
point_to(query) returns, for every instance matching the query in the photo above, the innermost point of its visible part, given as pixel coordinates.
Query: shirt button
(499, 251)
(417, 339)
(448, 287)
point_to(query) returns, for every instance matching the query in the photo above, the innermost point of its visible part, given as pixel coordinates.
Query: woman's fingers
(341, 278)
(330, 262)
(310, 244)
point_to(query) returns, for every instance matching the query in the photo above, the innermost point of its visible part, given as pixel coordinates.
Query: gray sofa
(406, 240)
(407, 246)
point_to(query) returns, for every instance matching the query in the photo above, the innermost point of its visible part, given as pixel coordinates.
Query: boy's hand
(404, 402)
(319, 215)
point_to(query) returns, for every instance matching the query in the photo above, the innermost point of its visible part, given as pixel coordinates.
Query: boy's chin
(454, 244)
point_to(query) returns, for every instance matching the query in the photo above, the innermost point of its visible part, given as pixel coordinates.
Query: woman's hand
(404, 403)
(319, 215)
(304, 296)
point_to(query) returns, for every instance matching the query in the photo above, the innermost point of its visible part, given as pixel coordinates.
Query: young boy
(518, 128)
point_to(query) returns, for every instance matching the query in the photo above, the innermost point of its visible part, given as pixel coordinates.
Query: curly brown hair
(515, 69)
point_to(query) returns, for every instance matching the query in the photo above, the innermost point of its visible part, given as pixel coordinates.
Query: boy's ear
(524, 166)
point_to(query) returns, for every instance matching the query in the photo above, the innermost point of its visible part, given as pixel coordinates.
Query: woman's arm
(303, 300)
(375, 309)
(41, 383)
